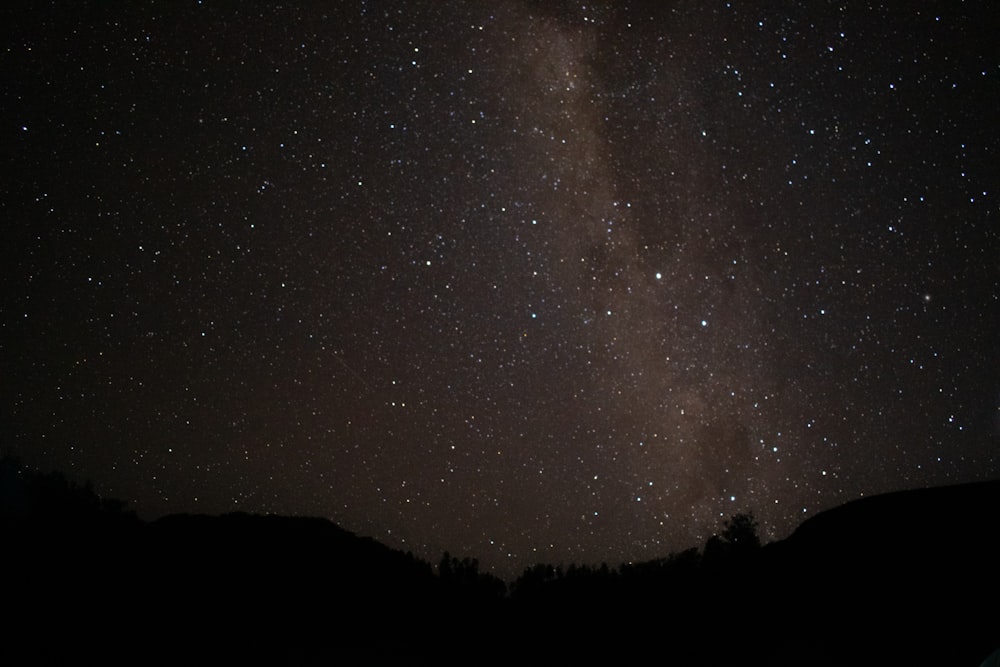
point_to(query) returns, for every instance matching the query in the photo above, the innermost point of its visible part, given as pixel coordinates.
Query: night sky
(526, 281)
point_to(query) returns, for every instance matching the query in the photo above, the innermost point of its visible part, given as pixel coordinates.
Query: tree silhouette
(740, 532)
(738, 542)
(464, 578)
(34, 499)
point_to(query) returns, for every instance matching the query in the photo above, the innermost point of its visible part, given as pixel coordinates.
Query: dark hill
(908, 576)
(931, 517)
(904, 578)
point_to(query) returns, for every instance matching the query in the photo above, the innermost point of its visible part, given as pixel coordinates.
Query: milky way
(524, 281)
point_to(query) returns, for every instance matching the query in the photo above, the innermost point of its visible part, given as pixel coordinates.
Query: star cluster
(528, 281)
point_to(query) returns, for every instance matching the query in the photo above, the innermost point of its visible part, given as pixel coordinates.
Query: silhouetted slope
(905, 578)
(943, 515)
(287, 586)
(909, 576)
(225, 589)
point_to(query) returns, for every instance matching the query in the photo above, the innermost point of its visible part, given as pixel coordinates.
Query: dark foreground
(901, 579)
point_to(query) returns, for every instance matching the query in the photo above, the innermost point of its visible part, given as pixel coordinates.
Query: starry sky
(527, 281)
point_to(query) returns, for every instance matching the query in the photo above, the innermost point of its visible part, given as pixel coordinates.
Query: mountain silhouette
(902, 578)
(911, 575)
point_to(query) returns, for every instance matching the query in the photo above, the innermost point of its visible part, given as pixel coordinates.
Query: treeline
(897, 580)
(29, 498)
